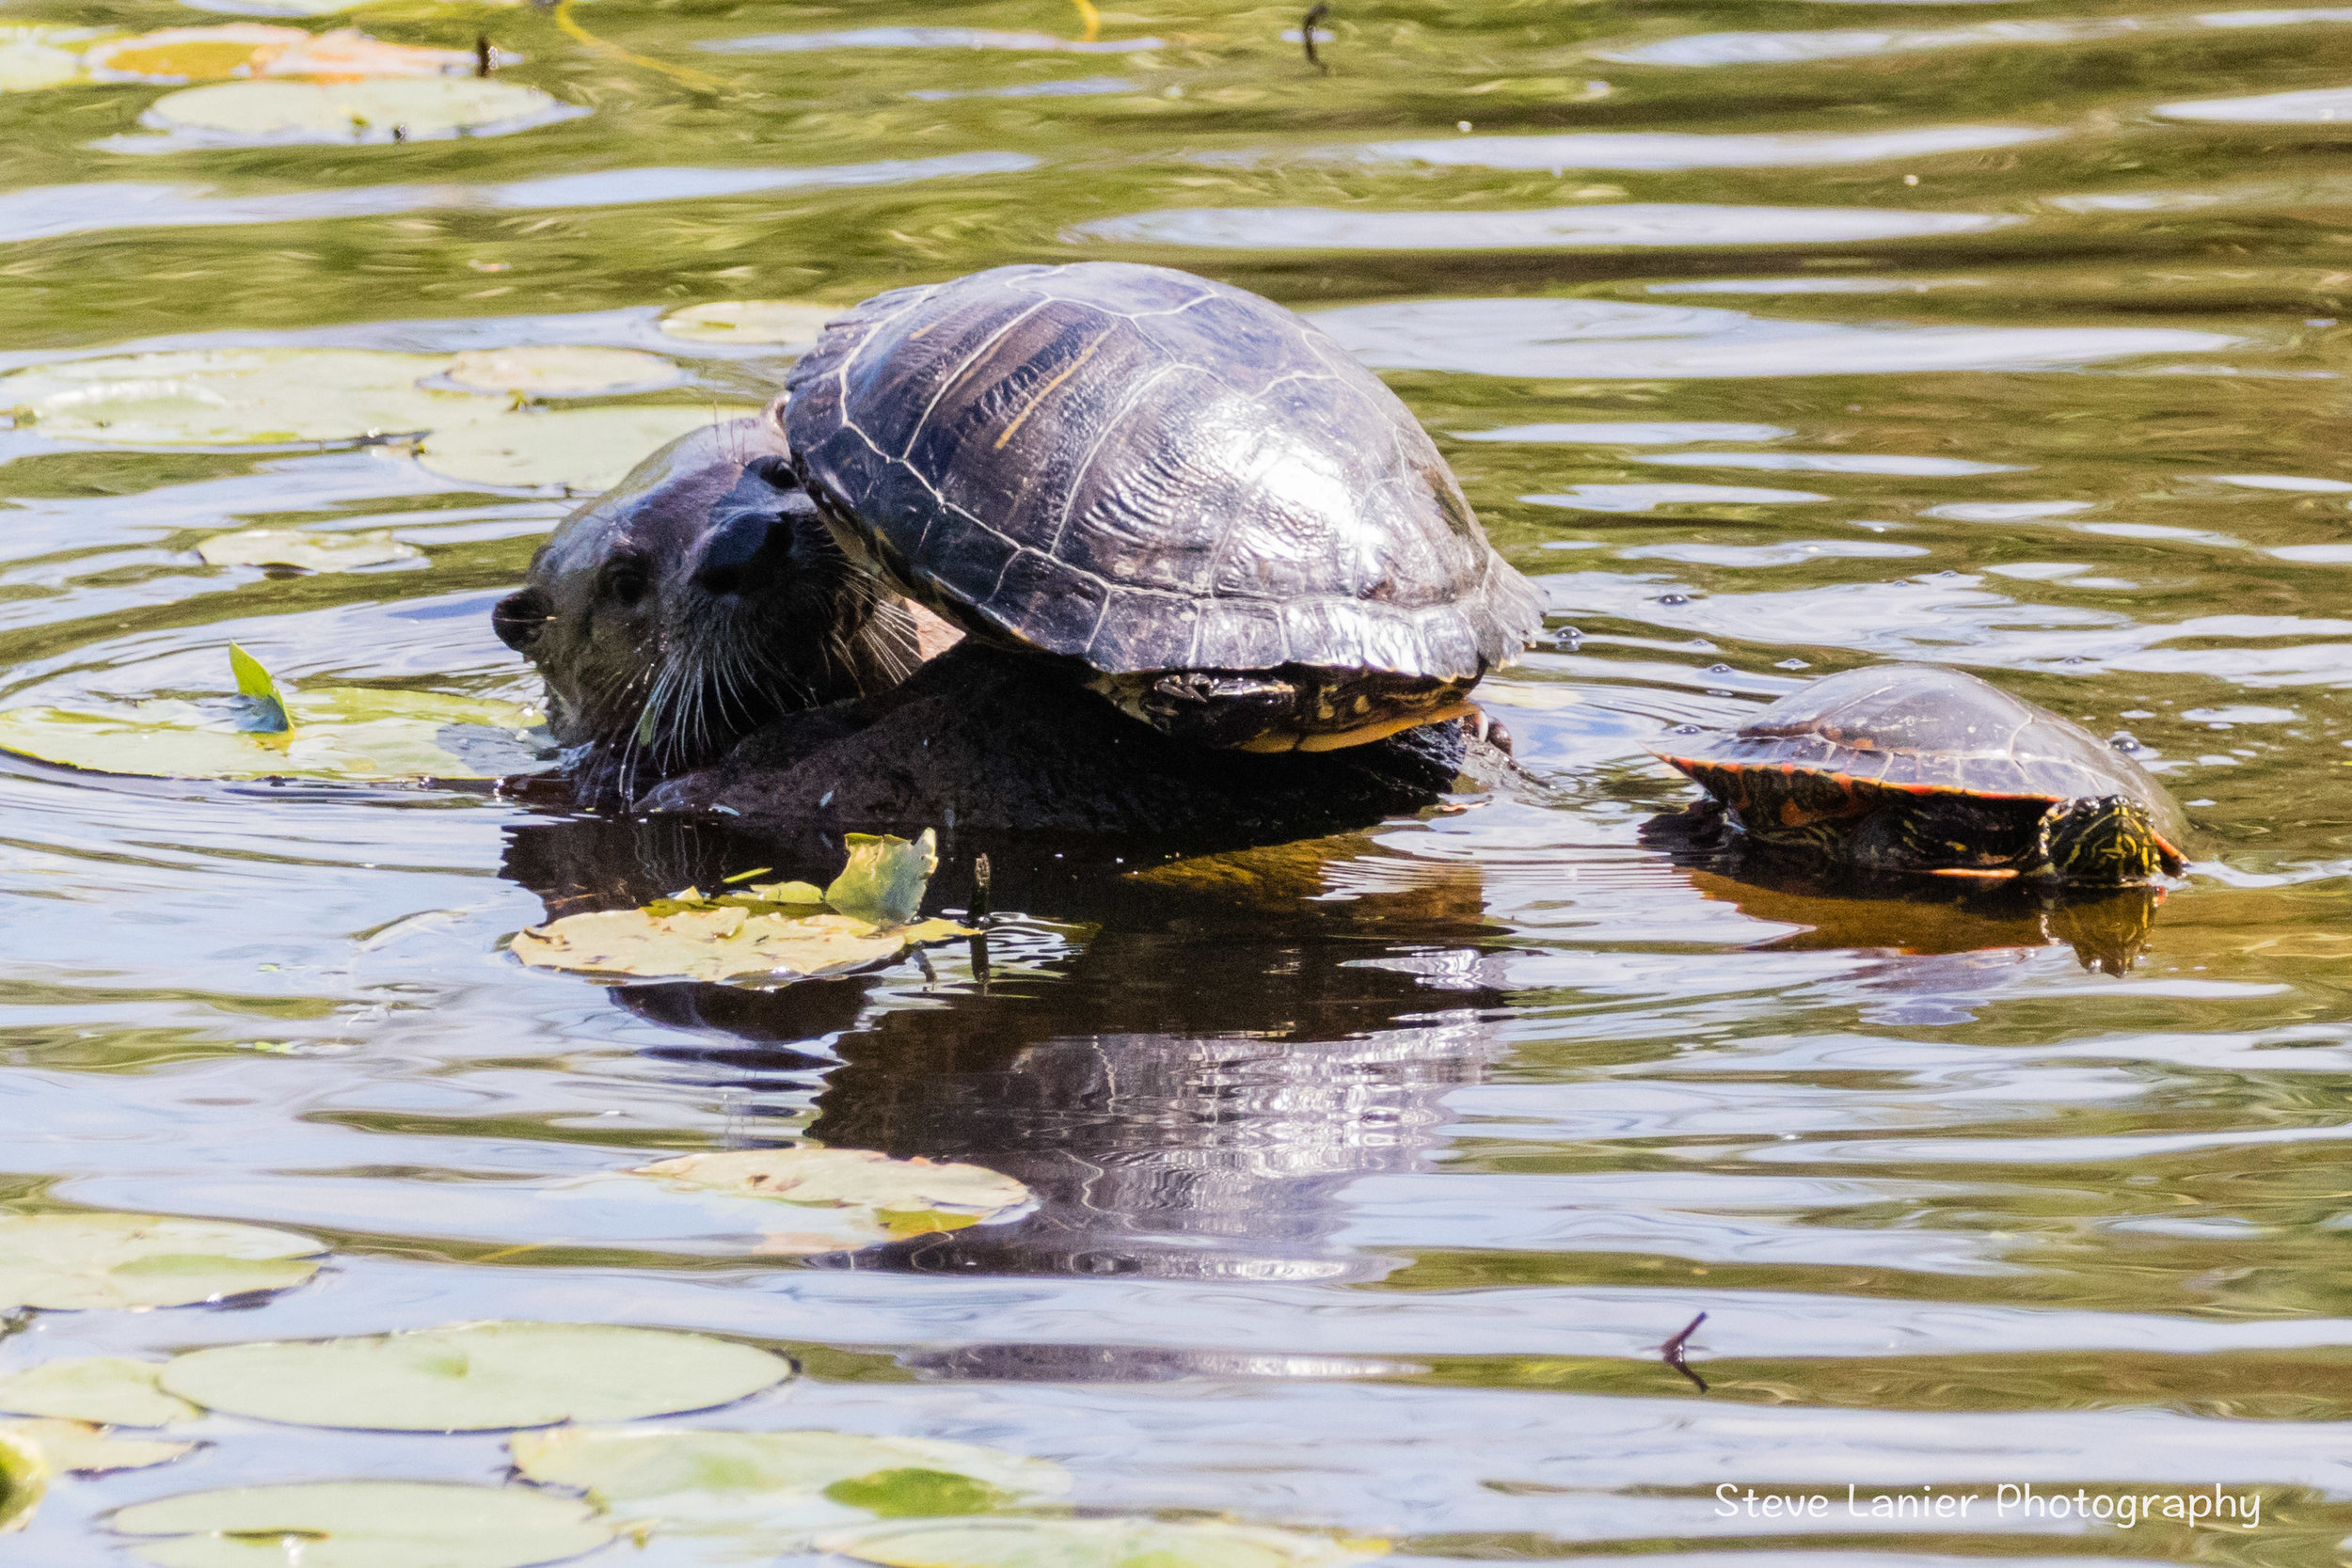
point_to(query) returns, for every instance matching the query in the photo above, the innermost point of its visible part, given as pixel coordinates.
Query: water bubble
(2125, 740)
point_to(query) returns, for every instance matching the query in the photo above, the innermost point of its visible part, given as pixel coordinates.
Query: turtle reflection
(1189, 1089)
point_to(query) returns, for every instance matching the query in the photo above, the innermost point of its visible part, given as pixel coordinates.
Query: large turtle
(1915, 768)
(1188, 498)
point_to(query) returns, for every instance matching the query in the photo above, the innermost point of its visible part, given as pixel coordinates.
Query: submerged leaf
(885, 877)
(777, 1486)
(83, 1449)
(24, 1477)
(312, 552)
(70, 1262)
(359, 733)
(1023, 1543)
(751, 321)
(562, 371)
(430, 109)
(475, 1377)
(363, 1523)
(582, 450)
(111, 1390)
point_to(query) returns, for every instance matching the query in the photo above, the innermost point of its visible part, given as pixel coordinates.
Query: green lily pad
(312, 552)
(787, 321)
(1021, 1543)
(361, 734)
(906, 1197)
(24, 1477)
(33, 56)
(427, 108)
(779, 1487)
(562, 371)
(475, 1377)
(362, 1524)
(583, 450)
(85, 1449)
(75, 1261)
(234, 397)
(111, 1390)
(884, 878)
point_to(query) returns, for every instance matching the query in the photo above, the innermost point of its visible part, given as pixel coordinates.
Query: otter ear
(519, 618)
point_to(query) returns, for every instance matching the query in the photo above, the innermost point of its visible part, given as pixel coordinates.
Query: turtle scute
(1147, 475)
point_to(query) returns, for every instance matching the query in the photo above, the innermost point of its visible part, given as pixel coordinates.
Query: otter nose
(742, 551)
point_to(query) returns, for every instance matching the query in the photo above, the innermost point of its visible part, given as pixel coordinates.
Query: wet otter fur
(697, 601)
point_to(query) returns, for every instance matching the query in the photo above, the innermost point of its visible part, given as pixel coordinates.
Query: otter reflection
(1189, 1088)
(2107, 928)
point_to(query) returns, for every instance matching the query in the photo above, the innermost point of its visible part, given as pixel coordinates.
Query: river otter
(692, 603)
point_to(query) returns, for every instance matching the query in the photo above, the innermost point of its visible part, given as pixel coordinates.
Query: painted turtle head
(2109, 840)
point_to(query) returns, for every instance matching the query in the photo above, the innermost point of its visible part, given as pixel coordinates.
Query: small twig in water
(978, 913)
(481, 53)
(1315, 13)
(1670, 1352)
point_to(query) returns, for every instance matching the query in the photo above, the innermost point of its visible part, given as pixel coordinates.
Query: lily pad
(111, 1390)
(1019, 1543)
(74, 1261)
(778, 1486)
(787, 321)
(193, 53)
(583, 450)
(272, 8)
(362, 1524)
(24, 1477)
(432, 108)
(884, 878)
(33, 56)
(906, 1197)
(475, 1377)
(234, 397)
(85, 1449)
(349, 54)
(359, 733)
(312, 552)
(562, 370)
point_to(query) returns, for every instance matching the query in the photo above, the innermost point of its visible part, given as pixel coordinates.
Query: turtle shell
(1151, 474)
(1842, 744)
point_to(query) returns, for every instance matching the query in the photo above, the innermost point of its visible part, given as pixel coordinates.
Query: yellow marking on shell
(1362, 734)
(1047, 391)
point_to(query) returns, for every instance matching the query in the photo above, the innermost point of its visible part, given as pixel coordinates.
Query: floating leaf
(70, 1261)
(785, 322)
(562, 371)
(583, 450)
(111, 1390)
(907, 1197)
(350, 55)
(24, 1477)
(85, 1449)
(259, 689)
(277, 8)
(1019, 1543)
(230, 397)
(312, 552)
(352, 733)
(885, 877)
(192, 53)
(720, 943)
(363, 1523)
(778, 1486)
(475, 1377)
(430, 109)
(32, 55)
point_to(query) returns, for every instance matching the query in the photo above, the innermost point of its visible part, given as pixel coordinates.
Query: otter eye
(626, 578)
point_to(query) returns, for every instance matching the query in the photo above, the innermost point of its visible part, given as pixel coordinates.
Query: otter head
(697, 600)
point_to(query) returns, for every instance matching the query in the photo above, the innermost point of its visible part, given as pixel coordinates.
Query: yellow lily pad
(85, 1449)
(777, 1487)
(475, 1377)
(790, 323)
(312, 552)
(24, 1477)
(352, 733)
(109, 1390)
(192, 53)
(233, 397)
(582, 450)
(905, 1198)
(1024, 1543)
(709, 944)
(562, 370)
(81, 1261)
(884, 878)
(362, 1524)
(431, 109)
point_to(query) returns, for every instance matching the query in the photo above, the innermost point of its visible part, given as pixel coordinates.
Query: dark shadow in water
(1843, 908)
(1189, 1087)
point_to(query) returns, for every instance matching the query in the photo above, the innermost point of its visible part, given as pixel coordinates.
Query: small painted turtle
(1914, 767)
(1192, 500)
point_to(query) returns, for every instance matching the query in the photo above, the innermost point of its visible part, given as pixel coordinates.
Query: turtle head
(2107, 840)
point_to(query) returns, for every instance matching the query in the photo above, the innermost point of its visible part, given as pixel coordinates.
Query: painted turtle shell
(1194, 498)
(1915, 768)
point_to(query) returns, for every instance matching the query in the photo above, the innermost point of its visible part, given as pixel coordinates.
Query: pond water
(1772, 338)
